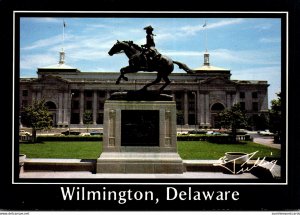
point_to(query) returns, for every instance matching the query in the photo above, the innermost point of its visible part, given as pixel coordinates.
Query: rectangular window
(75, 105)
(192, 105)
(101, 94)
(99, 118)
(254, 95)
(255, 106)
(178, 105)
(75, 93)
(75, 118)
(101, 105)
(25, 93)
(178, 95)
(242, 104)
(88, 93)
(88, 105)
(242, 95)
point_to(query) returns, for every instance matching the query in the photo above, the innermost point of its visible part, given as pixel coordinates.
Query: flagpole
(204, 26)
(62, 52)
(63, 35)
(205, 39)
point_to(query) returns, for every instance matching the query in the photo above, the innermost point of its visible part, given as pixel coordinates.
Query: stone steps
(59, 165)
(266, 171)
(89, 165)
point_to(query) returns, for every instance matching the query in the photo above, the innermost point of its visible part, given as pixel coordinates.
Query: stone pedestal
(139, 137)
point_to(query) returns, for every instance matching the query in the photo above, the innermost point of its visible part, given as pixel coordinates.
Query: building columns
(198, 109)
(186, 108)
(70, 108)
(38, 95)
(228, 100)
(207, 111)
(60, 108)
(201, 109)
(33, 96)
(66, 109)
(81, 107)
(94, 107)
(107, 94)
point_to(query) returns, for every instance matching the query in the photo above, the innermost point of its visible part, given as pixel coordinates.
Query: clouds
(192, 29)
(250, 48)
(88, 40)
(35, 61)
(270, 40)
(42, 20)
(44, 43)
(251, 57)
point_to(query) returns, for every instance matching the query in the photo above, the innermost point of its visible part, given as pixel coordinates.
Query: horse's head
(127, 46)
(117, 47)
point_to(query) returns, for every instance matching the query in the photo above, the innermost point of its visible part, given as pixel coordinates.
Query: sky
(249, 47)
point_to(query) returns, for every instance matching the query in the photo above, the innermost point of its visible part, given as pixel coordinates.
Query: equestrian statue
(146, 58)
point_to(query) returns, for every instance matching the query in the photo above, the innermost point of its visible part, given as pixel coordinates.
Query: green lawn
(52, 149)
(206, 150)
(187, 150)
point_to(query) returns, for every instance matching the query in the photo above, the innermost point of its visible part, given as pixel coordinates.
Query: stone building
(199, 97)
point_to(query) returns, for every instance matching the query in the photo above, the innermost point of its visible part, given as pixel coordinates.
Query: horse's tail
(184, 67)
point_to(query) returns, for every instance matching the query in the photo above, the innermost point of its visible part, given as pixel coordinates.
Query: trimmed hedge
(214, 138)
(69, 138)
(210, 138)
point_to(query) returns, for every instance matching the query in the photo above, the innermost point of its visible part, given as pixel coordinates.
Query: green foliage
(220, 139)
(69, 138)
(69, 150)
(204, 150)
(233, 119)
(87, 119)
(260, 121)
(38, 117)
(275, 118)
(187, 150)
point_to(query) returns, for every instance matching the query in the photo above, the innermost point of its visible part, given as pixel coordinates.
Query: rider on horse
(149, 51)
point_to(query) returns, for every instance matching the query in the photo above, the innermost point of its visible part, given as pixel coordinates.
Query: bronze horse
(163, 65)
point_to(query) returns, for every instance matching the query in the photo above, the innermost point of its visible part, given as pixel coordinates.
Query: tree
(259, 121)
(38, 117)
(275, 118)
(87, 119)
(233, 119)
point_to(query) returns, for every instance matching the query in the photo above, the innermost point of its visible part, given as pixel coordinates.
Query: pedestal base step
(139, 162)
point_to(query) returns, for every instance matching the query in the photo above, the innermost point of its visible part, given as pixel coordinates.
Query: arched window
(50, 105)
(217, 107)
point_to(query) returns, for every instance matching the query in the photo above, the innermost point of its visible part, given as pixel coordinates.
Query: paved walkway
(83, 171)
(89, 175)
(265, 140)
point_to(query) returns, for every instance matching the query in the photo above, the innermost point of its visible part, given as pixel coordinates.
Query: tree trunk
(33, 135)
(234, 134)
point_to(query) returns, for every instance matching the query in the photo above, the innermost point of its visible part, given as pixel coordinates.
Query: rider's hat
(149, 28)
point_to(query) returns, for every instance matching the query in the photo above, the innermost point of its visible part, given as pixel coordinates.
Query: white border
(152, 12)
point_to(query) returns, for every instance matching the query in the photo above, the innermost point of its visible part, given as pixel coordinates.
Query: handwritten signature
(242, 167)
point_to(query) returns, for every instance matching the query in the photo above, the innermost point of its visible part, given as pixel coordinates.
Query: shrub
(221, 139)
(237, 132)
(70, 138)
(192, 137)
